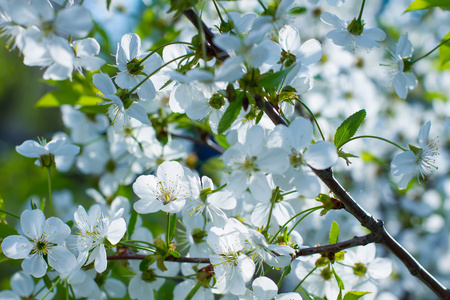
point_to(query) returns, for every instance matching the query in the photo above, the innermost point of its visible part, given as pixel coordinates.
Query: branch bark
(380, 234)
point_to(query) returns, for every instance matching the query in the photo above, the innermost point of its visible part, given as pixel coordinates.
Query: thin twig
(169, 258)
(354, 242)
(380, 235)
(206, 142)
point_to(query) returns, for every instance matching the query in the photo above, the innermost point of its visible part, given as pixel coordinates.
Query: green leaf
(108, 4)
(339, 280)
(166, 290)
(230, 114)
(334, 233)
(346, 156)
(424, 4)
(268, 80)
(7, 230)
(2, 206)
(304, 293)
(174, 253)
(348, 128)
(172, 226)
(147, 261)
(353, 295)
(444, 50)
(132, 223)
(72, 93)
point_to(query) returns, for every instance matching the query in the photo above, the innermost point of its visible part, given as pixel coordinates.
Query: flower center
(359, 269)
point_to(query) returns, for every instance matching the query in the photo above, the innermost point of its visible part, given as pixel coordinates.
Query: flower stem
(167, 231)
(218, 11)
(9, 213)
(307, 214)
(262, 4)
(193, 291)
(50, 190)
(160, 47)
(157, 70)
(312, 115)
(272, 201)
(432, 50)
(50, 289)
(307, 275)
(295, 216)
(361, 11)
(377, 138)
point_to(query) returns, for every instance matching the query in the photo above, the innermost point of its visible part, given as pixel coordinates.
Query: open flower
(94, 229)
(400, 67)
(352, 34)
(264, 288)
(417, 162)
(43, 239)
(46, 153)
(167, 191)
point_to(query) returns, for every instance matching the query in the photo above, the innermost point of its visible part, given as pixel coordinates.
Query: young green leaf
(348, 128)
(7, 230)
(444, 50)
(269, 80)
(172, 226)
(230, 114)
(424, 4)
(354, 295)
(132, 223)
(334, 233)
(339, 280)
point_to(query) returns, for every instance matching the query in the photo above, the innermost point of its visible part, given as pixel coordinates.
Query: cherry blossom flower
(43, 238)
(231, 266)
(119, 109)
(47, 152)
(133, 69)
(416, 162)
(400, 67)
(264, 288)
(352, 34)
(94, 229)
(167, 191)
(23, 287)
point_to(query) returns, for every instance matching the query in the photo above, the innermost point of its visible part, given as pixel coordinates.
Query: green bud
(356, 27)
(216, 101)
(415, 150)
(148, 275)
(47, 160)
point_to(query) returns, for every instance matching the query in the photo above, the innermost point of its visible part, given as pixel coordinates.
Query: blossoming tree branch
(209, 142)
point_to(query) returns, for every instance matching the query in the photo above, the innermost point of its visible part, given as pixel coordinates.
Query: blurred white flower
(416, 162)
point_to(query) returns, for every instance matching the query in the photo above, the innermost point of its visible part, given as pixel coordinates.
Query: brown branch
(169, 258)
(206, 142)
(380, 235)
(354, 242)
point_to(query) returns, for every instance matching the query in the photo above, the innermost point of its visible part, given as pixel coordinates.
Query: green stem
(374, 137)
(314, 117)
(307, 275)
(285, 224)
(307, 214)
(202, 36)
(159, 48)
(263, 6)
(157, 70)
(218, 11)
(440, 44)
(272, 201)
(50, 289)
(193, 291)
(8, 213)
(176, 277)
(361, 11)
(50, 190)
(136, 247)
(167, 231)
(283, 275)
(73, 293)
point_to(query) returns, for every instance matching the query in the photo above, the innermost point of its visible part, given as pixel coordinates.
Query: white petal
(264, 288)
(32, 223)
(104, 84)
(131, 44)
(34, 265)
(321, 155)
(116, 230)
(30, 148)
(75, 21)
(22, 284)
(61, 259)
(16, 246)
(289, 39)
(56, 231)
(333, 20)
(310, 52)
(100, 260)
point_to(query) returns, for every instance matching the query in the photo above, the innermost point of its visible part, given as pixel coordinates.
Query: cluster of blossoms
(235, 230)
